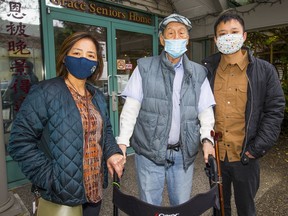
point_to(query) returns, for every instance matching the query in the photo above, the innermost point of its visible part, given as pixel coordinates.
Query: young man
(168, 106)
(249, 111)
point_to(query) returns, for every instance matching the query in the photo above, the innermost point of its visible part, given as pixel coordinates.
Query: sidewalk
(271, 199)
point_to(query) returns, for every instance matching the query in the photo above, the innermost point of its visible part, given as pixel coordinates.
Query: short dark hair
(66, 47)
(227, 16)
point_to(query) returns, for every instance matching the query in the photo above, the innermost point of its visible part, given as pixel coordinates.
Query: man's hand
(249, 155)
(207, 150)
(116, 163)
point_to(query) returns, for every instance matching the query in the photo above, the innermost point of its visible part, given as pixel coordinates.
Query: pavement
(271, 199)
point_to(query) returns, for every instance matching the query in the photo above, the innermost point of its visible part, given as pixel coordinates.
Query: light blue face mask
(175, 48)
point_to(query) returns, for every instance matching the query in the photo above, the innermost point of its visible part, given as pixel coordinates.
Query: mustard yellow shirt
(230, 91)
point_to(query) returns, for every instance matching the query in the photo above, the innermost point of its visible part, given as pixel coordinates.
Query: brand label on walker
(162, 214)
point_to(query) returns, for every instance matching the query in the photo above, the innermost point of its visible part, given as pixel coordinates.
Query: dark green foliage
(272, 46)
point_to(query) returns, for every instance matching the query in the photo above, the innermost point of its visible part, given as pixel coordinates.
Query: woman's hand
(123, 147)
(116, 163)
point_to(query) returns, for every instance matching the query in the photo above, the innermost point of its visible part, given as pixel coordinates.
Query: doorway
(123, 43)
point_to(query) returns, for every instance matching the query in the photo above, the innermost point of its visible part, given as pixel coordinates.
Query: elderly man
(167, 113)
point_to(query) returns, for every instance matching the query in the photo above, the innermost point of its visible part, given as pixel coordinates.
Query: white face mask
(175, 48)
(229, 43)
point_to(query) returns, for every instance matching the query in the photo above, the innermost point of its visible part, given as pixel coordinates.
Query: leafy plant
(272, 45)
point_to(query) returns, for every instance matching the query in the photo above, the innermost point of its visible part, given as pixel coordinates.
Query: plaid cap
(174, 18)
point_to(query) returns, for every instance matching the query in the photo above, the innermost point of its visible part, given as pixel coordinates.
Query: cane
(217, 136)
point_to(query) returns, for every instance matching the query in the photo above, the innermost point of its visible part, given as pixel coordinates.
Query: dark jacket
(265, 103)
(47, 141)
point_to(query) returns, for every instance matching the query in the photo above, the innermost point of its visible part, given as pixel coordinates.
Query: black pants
(245, 180)
(91, 209)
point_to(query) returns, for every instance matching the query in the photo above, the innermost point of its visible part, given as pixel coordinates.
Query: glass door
(122, 43)
(130, 46)
(60, 23)
(62, 29)
(132, 42)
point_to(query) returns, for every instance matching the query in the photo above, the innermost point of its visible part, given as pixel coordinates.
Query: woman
(62, 136)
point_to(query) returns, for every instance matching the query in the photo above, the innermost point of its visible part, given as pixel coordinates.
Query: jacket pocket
(146, 127)
(192, 138)
(241, 97)
(54, 182)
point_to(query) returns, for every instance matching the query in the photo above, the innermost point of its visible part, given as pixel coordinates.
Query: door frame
(112, 25)
(131, 28)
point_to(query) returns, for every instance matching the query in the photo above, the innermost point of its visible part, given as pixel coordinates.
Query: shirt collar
(241, 61)
(178, 64)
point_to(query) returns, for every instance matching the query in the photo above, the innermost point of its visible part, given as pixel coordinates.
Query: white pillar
(9, 205)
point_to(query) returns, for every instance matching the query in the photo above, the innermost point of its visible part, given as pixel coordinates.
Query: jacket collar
(184, 61)
(212, 61)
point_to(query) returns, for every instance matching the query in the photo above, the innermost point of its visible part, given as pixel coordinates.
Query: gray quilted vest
(153, 124)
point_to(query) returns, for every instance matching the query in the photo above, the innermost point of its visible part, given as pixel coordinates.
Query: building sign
(105, 10)
(18, 52)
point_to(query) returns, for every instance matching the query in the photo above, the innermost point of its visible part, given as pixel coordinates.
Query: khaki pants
(47, 208)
